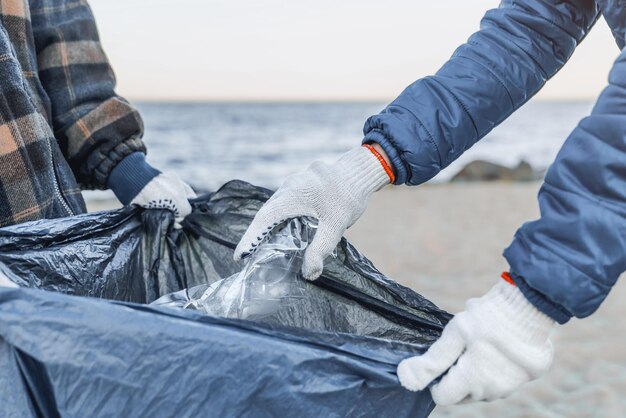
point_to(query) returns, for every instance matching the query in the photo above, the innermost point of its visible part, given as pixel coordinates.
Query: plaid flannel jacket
(61, 123)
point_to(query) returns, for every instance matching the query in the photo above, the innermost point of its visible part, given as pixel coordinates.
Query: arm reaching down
(520, 45)
(567, 261)
(98, 131)
(96, 128)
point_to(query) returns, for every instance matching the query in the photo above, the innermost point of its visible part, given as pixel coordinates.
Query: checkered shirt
(61, 123)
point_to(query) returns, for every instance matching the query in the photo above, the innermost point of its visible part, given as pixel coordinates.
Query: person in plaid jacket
(62, 127)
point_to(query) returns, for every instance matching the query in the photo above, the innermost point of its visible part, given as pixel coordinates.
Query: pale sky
(305, 49)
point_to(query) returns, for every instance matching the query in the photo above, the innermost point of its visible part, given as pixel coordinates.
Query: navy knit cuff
(130, 176)
(539, 301)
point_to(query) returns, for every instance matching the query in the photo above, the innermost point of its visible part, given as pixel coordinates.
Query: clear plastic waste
(270, 280)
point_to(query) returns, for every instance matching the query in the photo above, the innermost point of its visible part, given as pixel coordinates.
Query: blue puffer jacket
(567, 261)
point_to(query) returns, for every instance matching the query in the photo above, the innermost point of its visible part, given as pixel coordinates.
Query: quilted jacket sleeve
(520, 45)
(567, 261)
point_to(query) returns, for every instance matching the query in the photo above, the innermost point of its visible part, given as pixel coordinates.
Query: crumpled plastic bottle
(270, 280)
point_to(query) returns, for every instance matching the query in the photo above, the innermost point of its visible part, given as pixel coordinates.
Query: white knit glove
(166, 191)
(496, 345)
(336, 195)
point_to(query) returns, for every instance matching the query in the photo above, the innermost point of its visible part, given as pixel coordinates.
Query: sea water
(208, 144)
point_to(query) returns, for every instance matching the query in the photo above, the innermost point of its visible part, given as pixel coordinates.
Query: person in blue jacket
(561, 265)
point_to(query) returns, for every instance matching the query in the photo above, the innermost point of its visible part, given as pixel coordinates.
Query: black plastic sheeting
(78, 356)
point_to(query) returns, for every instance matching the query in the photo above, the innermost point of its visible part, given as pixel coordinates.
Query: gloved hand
(136, 182)
(498, 343)
(336, 195)
(166, 191)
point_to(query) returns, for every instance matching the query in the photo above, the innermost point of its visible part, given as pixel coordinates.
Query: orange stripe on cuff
(507, 278)
(388, 170)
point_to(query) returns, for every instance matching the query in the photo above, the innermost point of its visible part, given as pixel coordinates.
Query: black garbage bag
(62, 355)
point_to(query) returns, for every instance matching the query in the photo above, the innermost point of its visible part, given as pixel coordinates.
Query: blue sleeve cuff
(378, 137)
(130, 176)
(539, 301)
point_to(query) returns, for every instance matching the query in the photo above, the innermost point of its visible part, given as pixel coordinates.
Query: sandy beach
(445, 241)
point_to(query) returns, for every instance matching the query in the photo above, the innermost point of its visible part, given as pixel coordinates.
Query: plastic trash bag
(62, 355)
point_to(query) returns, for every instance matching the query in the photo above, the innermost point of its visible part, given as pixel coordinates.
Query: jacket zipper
(55, 182)
(58, 192)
